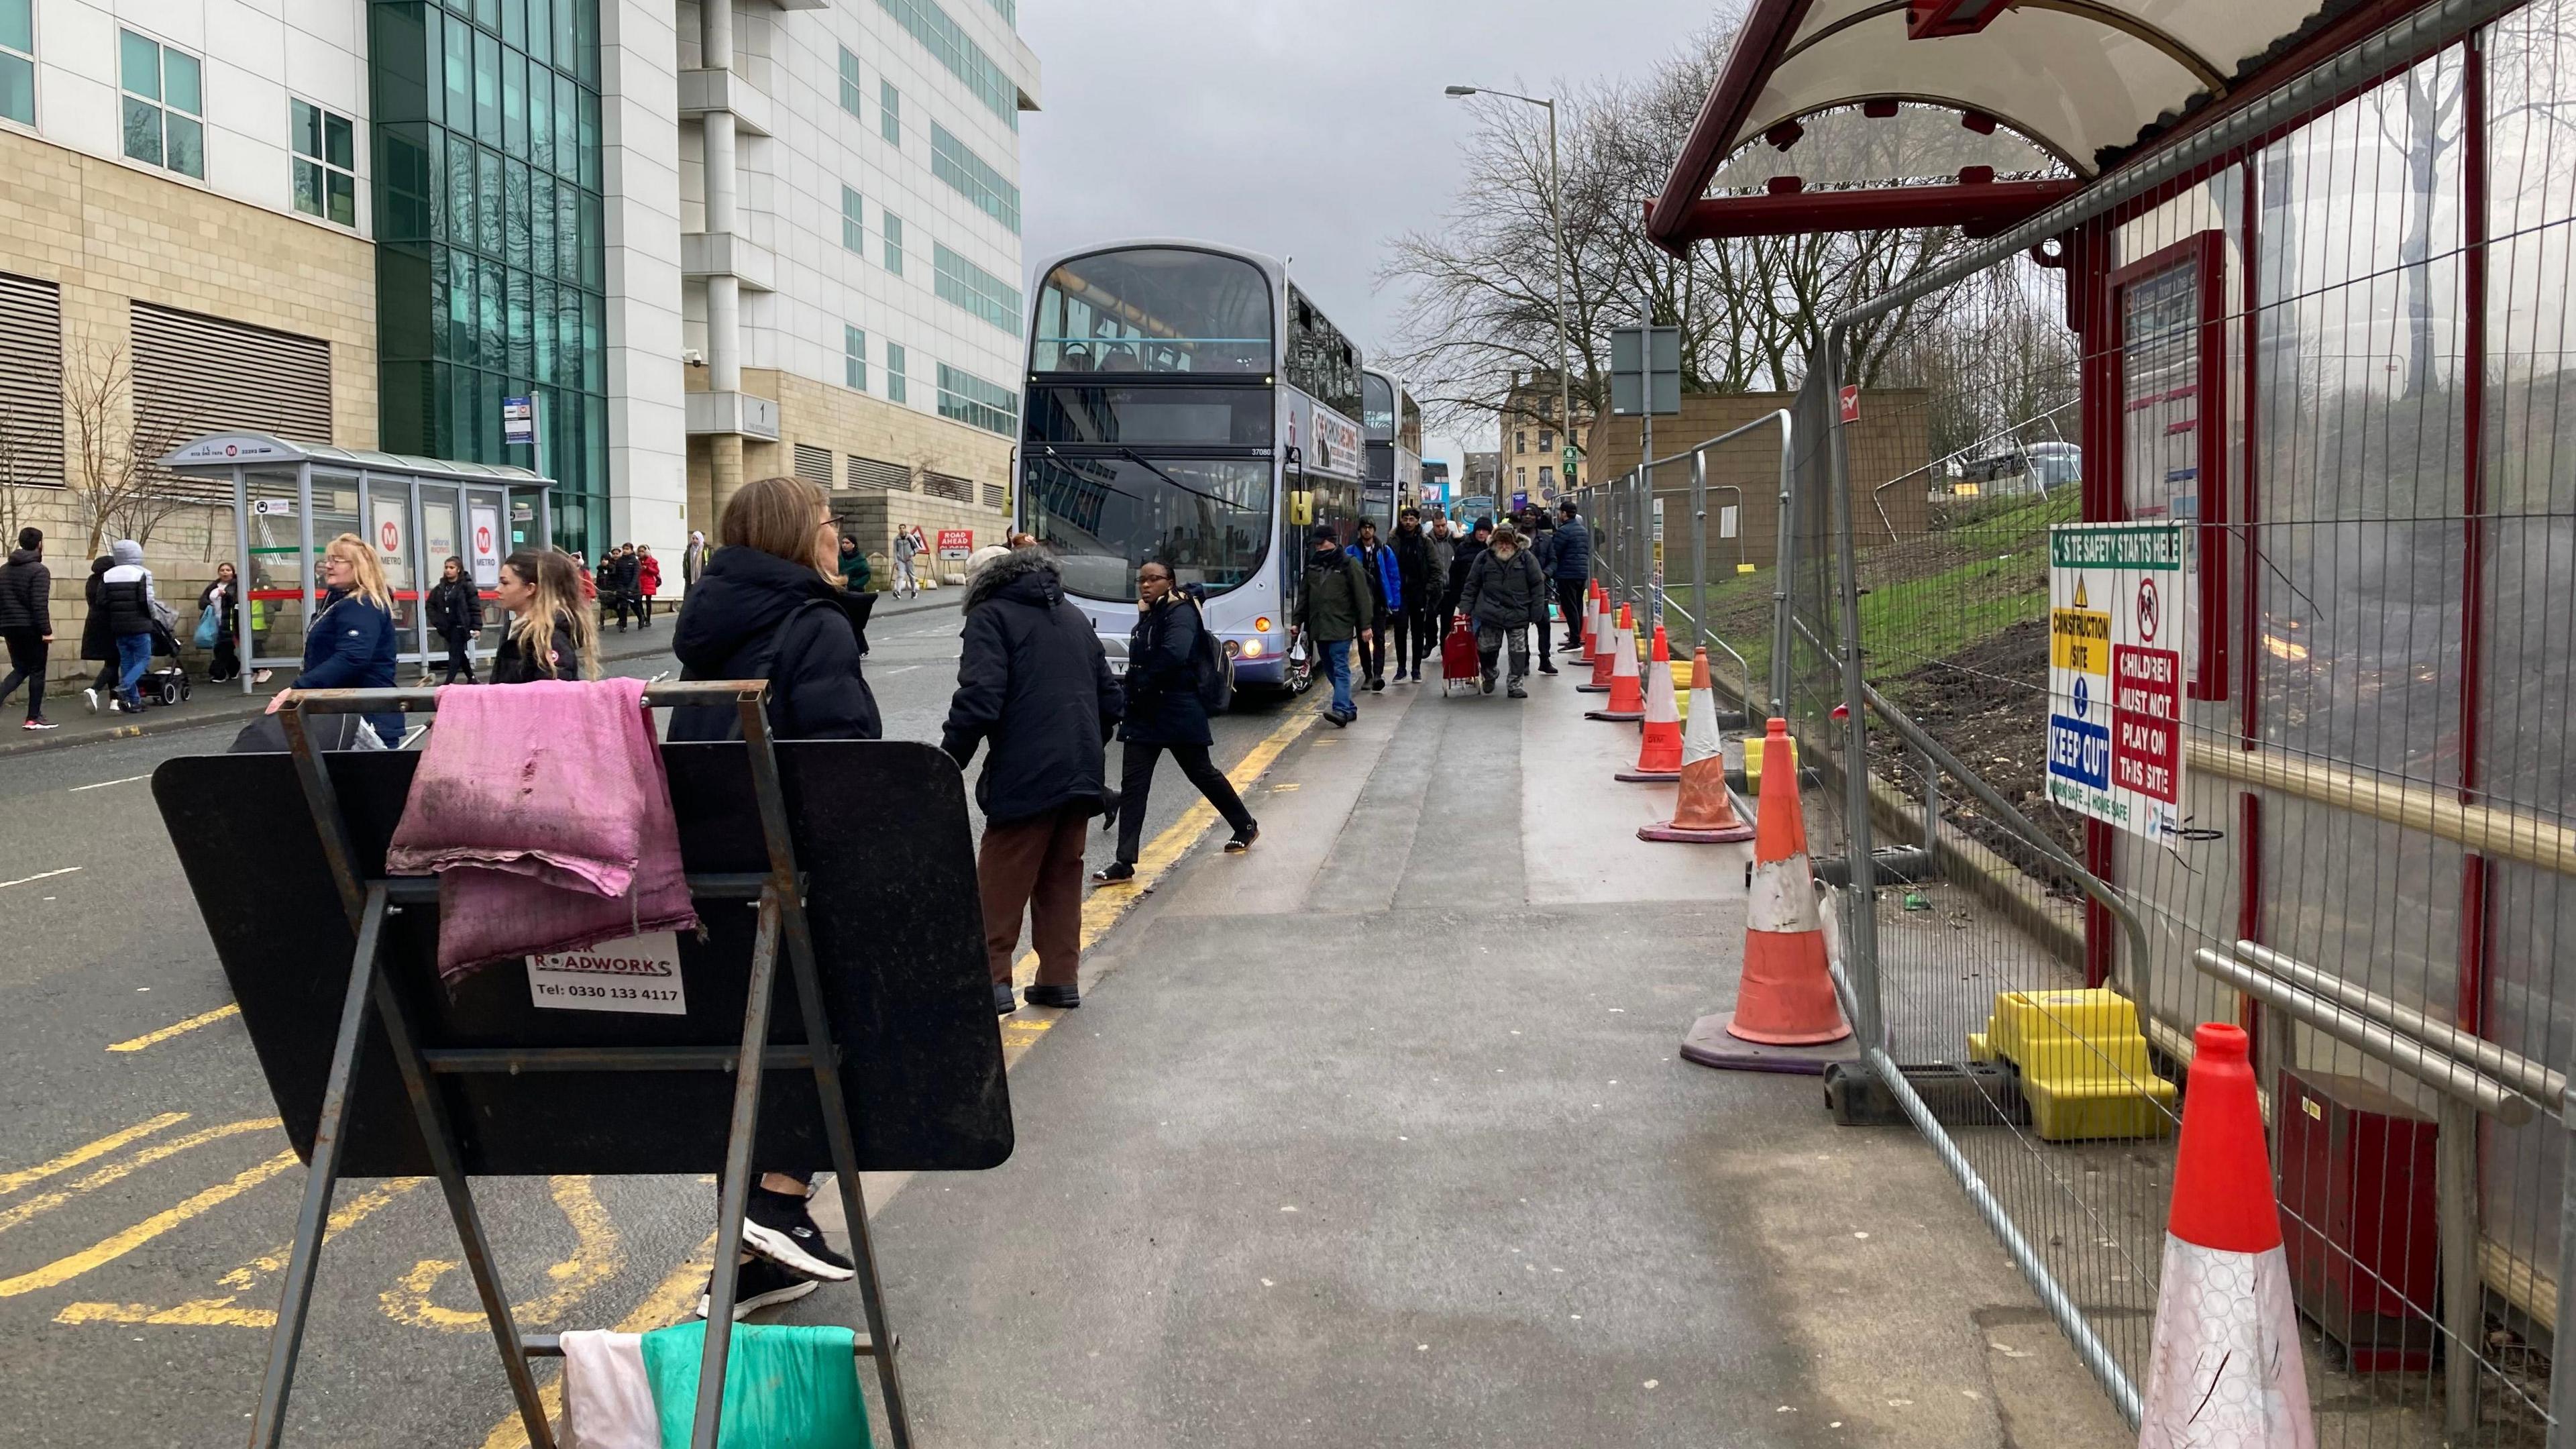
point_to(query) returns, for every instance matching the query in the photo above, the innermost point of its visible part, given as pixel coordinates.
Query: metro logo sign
(2115, 699)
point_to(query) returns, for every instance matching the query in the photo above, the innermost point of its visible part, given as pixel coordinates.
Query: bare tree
(118, 487)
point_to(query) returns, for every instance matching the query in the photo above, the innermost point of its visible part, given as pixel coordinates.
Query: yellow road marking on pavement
(48, 1201)
(150, 1038)
(344, 1217)
(597, 1256)
(108, 1250)
(678, 1293)
(223, 1312)
(12, 1181)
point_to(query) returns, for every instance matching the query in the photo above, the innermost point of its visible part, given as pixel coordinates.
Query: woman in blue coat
(353, 640)
(1166, 713)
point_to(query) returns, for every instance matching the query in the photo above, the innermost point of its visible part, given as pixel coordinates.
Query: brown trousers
(1034, 868)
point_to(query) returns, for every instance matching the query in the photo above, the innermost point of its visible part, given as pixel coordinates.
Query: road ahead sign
(2117, 600)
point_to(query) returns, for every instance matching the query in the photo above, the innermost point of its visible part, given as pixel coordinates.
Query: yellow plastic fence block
(1753, 761)
(2084, 1066)
(1681, 686)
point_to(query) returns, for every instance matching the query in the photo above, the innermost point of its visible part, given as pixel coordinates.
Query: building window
(896, 390)
(890, 113)
(164, 104)
(978, 291)
(1520, 442)
(814, 465)
(877, 474)
(893, 241)
(854, 359)
(854, 227)
(947, 43)
(948, 486)
(966, 173)
(325, 183)
(1009, 10)
(850, 82)
(1546, 441)
(970, 399)
(1520, 478)
(1546, 477)
(18, 61)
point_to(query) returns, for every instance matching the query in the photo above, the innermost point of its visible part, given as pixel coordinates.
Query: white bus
(1391, 424)
(1187, 402)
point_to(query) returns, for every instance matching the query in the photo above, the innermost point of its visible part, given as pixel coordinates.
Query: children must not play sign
(2117, 606)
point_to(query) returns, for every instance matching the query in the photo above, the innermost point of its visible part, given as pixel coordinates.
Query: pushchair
(164, 684)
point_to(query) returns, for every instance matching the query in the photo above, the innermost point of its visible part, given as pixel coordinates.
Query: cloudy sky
(1315, 128)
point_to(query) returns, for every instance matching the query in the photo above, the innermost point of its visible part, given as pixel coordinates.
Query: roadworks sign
(2117, 605)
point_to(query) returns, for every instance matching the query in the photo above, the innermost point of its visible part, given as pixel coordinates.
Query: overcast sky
(1312, 128)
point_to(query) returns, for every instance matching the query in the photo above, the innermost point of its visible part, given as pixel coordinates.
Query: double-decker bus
(1391, 424)
(1187, 402)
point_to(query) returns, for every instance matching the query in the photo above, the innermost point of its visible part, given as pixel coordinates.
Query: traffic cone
(1659, 757)
(1591, 618)
(1604, 631)
(2224, 1366)
(1706, 813)
(1627, 693)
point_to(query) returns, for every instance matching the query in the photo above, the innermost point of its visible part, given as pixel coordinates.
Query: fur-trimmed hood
(1024, 574)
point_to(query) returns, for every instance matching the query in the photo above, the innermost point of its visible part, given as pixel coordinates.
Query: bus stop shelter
(289, 500)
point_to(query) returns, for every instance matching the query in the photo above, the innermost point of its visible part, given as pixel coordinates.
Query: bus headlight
(1261, 625)
(1251, 648)
(1232, 649)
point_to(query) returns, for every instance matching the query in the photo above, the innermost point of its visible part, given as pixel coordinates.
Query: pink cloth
(543, 811)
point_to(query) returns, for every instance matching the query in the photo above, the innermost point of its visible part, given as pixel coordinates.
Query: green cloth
(787, 1386)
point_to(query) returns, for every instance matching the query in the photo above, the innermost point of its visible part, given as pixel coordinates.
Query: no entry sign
(2116, 600)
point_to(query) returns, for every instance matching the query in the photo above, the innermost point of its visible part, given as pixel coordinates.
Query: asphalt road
(147, 1195)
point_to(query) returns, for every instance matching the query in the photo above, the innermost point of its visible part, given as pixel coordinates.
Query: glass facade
(490, 273)
(18, 61)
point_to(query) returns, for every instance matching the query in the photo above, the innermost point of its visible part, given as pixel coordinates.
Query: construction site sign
(2117, 598)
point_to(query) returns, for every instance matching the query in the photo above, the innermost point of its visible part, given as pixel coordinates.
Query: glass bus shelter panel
(441, 523)
(485, 542)
(273, 540)
(390, 532)
(1155, 310)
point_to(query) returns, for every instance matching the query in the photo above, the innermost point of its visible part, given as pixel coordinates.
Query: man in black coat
(1166, 712)
(27, 622)
(1417, 627)
(1570, 568)
(1035, 683)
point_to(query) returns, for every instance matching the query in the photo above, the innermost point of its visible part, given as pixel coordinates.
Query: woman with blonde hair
(770, 606)
(550, 634)
(353, 641)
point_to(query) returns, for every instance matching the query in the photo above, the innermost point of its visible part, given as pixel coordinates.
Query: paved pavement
(1376, 1135)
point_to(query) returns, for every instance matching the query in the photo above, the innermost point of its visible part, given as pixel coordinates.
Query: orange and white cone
(1604, 635)
(2224, 1369)
(1627, 691)
(1706, 813)
(1786, 997)
(1591, 619)
(1659, 756)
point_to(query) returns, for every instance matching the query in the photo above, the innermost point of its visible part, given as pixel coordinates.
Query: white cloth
(608, 1402)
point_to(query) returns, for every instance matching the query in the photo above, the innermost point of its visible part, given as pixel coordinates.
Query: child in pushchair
(164, 684)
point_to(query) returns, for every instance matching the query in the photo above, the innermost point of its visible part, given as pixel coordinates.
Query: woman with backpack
(455, 616)
(1171, 669)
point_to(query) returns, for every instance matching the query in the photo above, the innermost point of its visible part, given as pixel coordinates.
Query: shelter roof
(228, 450)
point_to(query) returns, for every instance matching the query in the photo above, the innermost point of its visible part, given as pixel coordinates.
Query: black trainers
(758, 1283)
(1546, 668)
(1515, 691)
(1040, 993)
(1486, 677)
(777, 1226)
(1243, 839)
(1004, 1003)
(1114, 872)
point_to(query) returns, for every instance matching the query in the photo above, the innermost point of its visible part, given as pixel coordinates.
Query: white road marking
(103, 784)
(899, 669)
(48, 875)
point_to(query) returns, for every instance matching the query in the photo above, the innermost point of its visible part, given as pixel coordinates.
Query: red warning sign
(2146, 720)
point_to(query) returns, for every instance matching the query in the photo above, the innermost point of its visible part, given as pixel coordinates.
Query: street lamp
(1564, 264)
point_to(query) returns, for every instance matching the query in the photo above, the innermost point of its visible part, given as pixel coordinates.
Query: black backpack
(1214, 670)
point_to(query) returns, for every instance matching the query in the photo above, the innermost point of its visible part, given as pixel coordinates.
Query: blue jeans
(1337, 666)
(133, 656)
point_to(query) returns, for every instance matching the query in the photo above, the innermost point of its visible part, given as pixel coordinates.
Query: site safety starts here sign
(2117, 603)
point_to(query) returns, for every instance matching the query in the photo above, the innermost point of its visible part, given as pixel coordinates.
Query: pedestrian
(222, 600)
(1386, 589)
(27, 623)
(1415, 633)
(617, 578)
(1506, 592)
(904, 548)
(1335, 607)
(1571, 568)
(456, 616)
(124, 595)
(852, 566)
(98, 641)
(1540, 536)
(1462, 564)
(353, 640)
(693, 561)
(771, 607)
(549, 634)
(1034, 682)
(589, 580)
(1167, 712)
(648, 580)
(1444, 557)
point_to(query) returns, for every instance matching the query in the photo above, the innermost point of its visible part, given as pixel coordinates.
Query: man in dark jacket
(1417, 631)
(1334, 607)
(1034, 681)
(1571, 568)
(27, 622)
(1539, 541)
(1166, 712)
(1506, 593)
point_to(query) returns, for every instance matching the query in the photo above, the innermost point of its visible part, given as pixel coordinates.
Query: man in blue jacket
(1571, 568)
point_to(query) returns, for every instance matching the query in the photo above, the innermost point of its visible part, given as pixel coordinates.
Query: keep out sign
(2117, 594)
